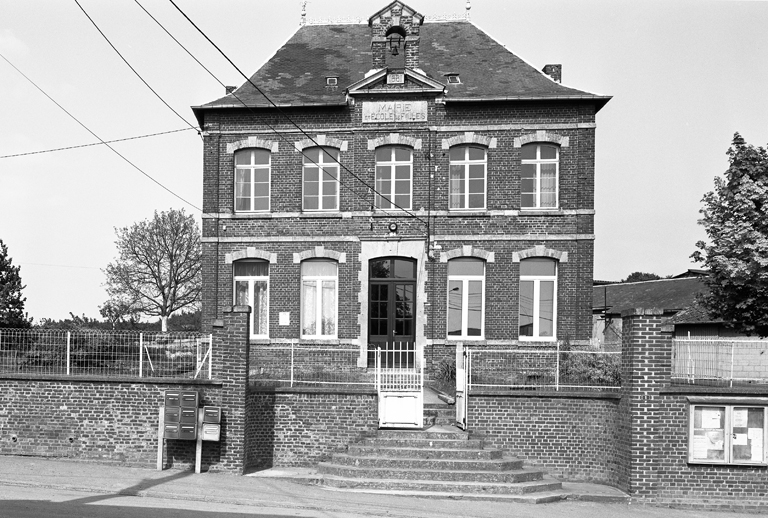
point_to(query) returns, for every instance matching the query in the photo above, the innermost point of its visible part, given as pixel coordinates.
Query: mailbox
(211, 432)
(188, 432)
(189, 399)
(172, 415)
(171, 431)
(212, 414)
(172, 398)
(188, 415)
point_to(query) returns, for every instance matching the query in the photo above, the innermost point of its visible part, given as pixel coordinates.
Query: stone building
(401, 183)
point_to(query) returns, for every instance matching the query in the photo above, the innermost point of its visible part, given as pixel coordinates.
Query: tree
(11, 302)
(734, 217)
(641, 276)
(158, 268)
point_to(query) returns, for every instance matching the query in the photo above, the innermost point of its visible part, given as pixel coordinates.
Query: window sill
(310, 340)
(321, 214)
(727, 464)
(466, 341)
(469, 212)
(541, 212)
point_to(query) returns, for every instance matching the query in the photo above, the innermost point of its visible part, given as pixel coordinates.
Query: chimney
(555, 72)
(230, 89)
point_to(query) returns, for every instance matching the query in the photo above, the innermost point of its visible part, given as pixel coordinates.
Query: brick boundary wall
(96, 419)
(301, 427)
(571, 435)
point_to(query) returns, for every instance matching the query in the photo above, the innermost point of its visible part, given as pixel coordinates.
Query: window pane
(317, 268)
(465, 266)
(402, 154)
(330, 174)
(329, 308)
(455, 296)
(477, 186)
(260, 308)
(311, 174)
(241, 293)
(476, 201)
(537, 266)
(476, 171)
(402, 187)
(474, 308)
(404, 269)
(312, 155)
(548, 152)
(309, 308)
(708, 441)
(251, 268)
(476, 153)
(329, 188)
(546, 308)
(403, 172)
(242, 157)
(457, 153)
(261, 203)
(261, 189)
(527, 200)
(380, 269)
(330, 155)
(311, 202)
(748, 434)
(526, 308)
(528, 152)
(383, 154)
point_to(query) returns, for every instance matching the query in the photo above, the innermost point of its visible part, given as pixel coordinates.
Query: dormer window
(331, 81)
(453, 79)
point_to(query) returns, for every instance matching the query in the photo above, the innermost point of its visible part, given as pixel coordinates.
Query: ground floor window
(727, 434)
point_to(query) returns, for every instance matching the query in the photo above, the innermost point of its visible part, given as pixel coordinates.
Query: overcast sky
(685, 75)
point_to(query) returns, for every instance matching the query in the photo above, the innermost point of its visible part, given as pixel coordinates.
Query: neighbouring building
(401, 183)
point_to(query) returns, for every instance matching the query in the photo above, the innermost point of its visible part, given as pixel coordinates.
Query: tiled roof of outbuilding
(668, 294)
(296, 74)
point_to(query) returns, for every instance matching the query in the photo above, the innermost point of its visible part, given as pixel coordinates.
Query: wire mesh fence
(307, 365)
(100, 353)
(720, 362)
(537, 368)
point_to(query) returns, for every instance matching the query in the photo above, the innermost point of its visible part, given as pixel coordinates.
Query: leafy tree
(734, 217)
(158, 269)
(11, 302)
(641, 276)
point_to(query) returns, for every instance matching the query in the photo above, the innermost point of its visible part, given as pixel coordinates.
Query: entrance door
(392, 312)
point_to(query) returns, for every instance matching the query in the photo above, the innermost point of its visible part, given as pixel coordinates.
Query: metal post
(210, 356)
(733, 344)
(160, 434)
(557, 367)
(292, 345)
(69, 346)
(141, 354)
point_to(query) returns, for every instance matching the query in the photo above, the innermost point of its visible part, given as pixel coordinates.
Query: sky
(685, 75)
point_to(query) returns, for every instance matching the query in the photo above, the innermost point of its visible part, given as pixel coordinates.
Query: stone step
(541, 497)
(424, 435)
(423, 443)
(450, 487)
(430, 475)
(421, 453)
(440, 464)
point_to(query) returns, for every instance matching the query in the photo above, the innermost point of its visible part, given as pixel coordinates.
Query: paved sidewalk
(294, 488)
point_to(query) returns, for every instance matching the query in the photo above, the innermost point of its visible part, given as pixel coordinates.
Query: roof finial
(469, 6)
(303, 21)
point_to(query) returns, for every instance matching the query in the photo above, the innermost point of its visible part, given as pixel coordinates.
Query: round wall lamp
(393, 227)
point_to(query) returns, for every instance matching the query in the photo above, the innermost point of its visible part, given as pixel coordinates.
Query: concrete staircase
(440, 461)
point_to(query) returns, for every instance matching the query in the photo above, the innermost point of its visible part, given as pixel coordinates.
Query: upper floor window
(319, 288)
(538, 298)
(321, 179)
(466, 298)
(252, 176)
(467, 182)
(394, 167)
(252, 289)
(539, 176)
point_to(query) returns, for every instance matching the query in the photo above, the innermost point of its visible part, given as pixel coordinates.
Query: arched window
(251, 288)
(538, 299)
(466, 298)
(539, 176)
(252, 177)
(320, 180)
(394, 167)
(319, 296)
(467, 181)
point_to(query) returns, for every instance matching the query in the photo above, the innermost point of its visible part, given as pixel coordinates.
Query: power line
(96, 143)
(96, 136)
(372, 189)
(134, 70)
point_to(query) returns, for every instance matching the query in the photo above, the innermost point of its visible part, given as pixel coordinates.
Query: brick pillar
(379, 52)
(231, 349)
(411, 51)
(646, 367)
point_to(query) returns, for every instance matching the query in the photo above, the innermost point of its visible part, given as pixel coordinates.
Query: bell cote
(395, 37)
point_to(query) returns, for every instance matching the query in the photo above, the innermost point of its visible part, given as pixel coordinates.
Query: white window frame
(251, 280)
(728, 435)
(537, 280)
(537, 162)
(465, 163)
(465, 279)
(321, 165)
(253, 167)
(318, 280)
(392, 165)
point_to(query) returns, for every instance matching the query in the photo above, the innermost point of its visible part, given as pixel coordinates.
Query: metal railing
(293, 365)
(552, 368)
(105, 353)
(720, 362)
(397, 370)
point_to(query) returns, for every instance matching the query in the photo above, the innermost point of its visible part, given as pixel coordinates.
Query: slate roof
(295, 75)
(694, 314)
(667, 294)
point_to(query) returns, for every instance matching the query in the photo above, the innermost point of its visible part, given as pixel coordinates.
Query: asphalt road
(41, 502)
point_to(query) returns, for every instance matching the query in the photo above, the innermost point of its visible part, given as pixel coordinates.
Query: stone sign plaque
(395, 111)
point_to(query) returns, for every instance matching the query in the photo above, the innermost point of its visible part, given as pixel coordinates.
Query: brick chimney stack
(555, 72)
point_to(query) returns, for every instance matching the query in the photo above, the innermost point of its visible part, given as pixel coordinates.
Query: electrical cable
(95, 143)
(363, 182)
(134, 70)
(97, 137)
